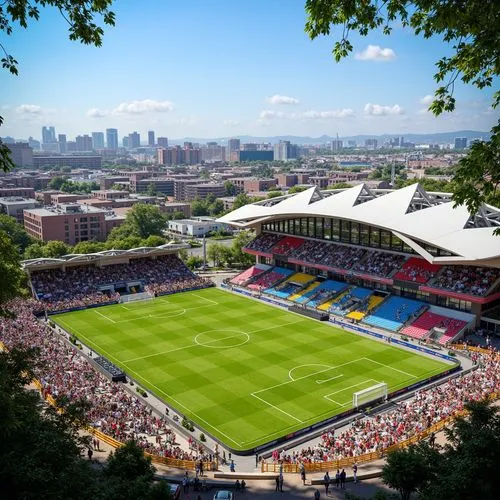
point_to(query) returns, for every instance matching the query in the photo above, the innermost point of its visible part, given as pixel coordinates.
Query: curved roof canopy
(411, 213)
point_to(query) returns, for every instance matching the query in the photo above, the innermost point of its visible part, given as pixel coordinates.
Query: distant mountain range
(437, 138)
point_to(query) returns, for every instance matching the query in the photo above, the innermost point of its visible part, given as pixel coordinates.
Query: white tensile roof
(412, 214)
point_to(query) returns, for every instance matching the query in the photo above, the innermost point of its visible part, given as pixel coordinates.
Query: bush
(202, 437)
(141, 391)
(404, 338)
(51, 324)
(451, 353)
(187, 424)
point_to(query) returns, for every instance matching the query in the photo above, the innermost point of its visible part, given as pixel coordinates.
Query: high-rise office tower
(233, 150)
(134, 140)
(112, 138)
(98, 140)
(48, 135)
(151, 138)
(163, 142)
(83, 143)
(61, 139)
(460, 142)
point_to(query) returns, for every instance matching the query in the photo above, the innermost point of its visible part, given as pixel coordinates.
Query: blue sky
(222, 68)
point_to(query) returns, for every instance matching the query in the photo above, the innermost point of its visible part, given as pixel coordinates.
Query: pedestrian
(232, 467)
(243, 484)
(355, 472)
(98, 444)
(281, 481)
(337, 479)
(256, 460)
(317, 494)
(303, 473)
(342, 479)
(201, 468)
(90, 453)
(277, 483)
(432, 439)
(327, 482)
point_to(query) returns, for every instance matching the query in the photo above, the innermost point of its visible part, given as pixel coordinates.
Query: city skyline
(203, 77)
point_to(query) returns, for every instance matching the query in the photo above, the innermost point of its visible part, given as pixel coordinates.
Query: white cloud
(269, 114)
(96, 113)
(378, 110)
(426, 100)
(376, 53)
(144, 106)
(326, 115)
(282, 99)
(29, 109)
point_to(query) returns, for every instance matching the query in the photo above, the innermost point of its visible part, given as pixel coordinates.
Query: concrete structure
(171, 208)
(180, 187)
(90, 161)
(58, 198)
(136, 176)
(162, 185)
(134, 140)
(17, 191)
(14, 206)
(233, 150)
(195, 227)
(252, 184)
(151, 138)
(61, 139)
(70, 223)
(284, 151)
(162, 142)
(460, 142)
(84, 143)
(201, 191)
(109, 194)
(21, 154)
(287, 180)
(45, 197)
(108, 182)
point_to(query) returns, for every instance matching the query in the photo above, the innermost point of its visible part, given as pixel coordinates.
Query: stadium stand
(365, 307)
(323, 293)
(291, 285)
(379, 263)
(250, 273)
(394, 312)
(82, 286)
(417, 270)
(64, 372)
(303, 295)
(264, 242)
(466, 279)
(270, 278)
(348, 300)
(422, 326)
(286, 245)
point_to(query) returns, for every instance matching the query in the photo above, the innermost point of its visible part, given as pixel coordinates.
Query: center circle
(221, 339)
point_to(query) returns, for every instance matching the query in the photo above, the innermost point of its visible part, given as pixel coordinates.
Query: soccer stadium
(358, 300)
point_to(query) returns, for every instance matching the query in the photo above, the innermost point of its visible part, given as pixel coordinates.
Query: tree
(152, 191)
(55, 249)
(144, 220)
(274, 194)
(199, 207)
(215, 253)
(85, 247)
(154, 241)
(57, 182)
(339, 185)
(473, 34)
(82, 18)
(469, 462)
(15, 231)
(216, 208)
(12, 277)
(33, 251)
(194, 262)
(242, 240)
(241, 200)
(229, 188)
(296, 189)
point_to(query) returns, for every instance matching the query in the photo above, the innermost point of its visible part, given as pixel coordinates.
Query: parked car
(224, 495)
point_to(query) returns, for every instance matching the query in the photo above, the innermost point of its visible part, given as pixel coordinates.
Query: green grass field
(245, 372)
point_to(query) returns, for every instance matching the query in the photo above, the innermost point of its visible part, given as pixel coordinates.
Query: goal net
(136, 296)
(372, 393)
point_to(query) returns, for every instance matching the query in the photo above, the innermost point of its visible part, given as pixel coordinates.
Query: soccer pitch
(245, 372)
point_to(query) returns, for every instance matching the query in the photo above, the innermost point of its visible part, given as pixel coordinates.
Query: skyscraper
(48, 135)
(233, 150)
(61, 139)
(134, 140)
(112, 138)
(163, 142)
(151, 138)
(98, 140)
(460, 142)
(83, 143)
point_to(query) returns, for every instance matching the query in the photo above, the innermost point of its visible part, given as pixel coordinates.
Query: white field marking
(191, 345)
(213, 302)
(327, 396)
(329, 379)
(275, 407)
(330, 367)
(104, 316)
(273, 327)
(337, 403)
(125, 307)
(206, 344)
(395, 369)
(148, 383)
(173, 314)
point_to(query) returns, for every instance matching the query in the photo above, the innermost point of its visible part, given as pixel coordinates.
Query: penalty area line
(276, 408)
(104, 316)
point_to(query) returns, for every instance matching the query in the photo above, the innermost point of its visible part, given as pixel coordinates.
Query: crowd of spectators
(379, 263)
(328, 254)
(417, 270)
(467, 279)
(82, 286)
(286, 245)
(264, 242)
(64, 372)
(426, 408)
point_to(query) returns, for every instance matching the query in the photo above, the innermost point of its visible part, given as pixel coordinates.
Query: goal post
(372, 393)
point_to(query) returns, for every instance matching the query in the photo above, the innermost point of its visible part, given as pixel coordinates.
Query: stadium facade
(423, 229)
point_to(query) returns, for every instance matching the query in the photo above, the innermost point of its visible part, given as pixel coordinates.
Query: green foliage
(154, 241)
(477, 179)
(141, 221)
(229, 188)
(242, 239)
(55, 249)
(296, 189)
(194, 262)
(57, 182)
(410, 469)
(152, 191)
(208, 206)
(202, 438)
(74, 187)
(33, 251)
(215, 253)
(12, 277)
(262, 171)
(274, 194)
(15, 231)
(187, 424)
(471, 32)
(85, 247)
(339, 185)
